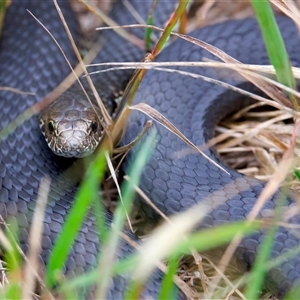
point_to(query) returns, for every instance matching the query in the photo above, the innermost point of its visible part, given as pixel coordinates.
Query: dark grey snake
(30, 61)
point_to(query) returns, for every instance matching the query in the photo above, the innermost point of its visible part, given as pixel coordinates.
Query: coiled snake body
(28, 63)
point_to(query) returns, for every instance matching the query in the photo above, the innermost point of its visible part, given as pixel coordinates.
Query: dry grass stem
(226, 85)
(105, 118)
(13, 90)
(159, 118)
(254, 146)
(148, 201)
(35, 240)
(270, 90)
(74, 75)
(155, 248)
(111, 24)
(289, 8)
(270, 188)
(190, 293)
(115, 179)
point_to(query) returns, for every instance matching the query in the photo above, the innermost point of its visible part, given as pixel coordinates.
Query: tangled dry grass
(252, 141)
(255, 155)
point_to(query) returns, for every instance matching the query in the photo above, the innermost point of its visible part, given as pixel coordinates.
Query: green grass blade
(86, 194)
(168, 290)
(170, 25)
(12, 256)
(200, 240)
(148, 33)
(2, 13)
(100, 211)
(294, 293)
(120, 267)
(297, 173)
(134, 173)
(12, 291)
(274, 43)
(214, 237)
(259, 269)
(13, 262)
(128, 192)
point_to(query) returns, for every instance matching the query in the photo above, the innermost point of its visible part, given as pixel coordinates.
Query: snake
(31, 63)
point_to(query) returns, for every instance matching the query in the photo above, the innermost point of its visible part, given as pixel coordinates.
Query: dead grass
(246, 145)
(254, 155)
(257, 157)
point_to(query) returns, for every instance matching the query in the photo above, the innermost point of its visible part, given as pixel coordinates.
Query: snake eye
(51, 126)
(94, 126)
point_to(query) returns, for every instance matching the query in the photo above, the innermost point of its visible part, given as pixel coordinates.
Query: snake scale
(31, 62)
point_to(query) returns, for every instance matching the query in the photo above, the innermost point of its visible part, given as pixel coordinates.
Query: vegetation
(141, 264)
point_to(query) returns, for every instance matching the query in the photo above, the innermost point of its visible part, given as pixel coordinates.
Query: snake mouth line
(70, 138)
(72, 149)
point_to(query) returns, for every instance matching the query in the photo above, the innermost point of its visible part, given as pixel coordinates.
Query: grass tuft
(86, 194)
(275, 45)
(203, 240)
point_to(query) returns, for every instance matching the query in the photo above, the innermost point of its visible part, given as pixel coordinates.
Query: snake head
(71, 127)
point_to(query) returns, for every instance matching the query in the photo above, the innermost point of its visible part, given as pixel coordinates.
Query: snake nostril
(51, 126)
(94, 126)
